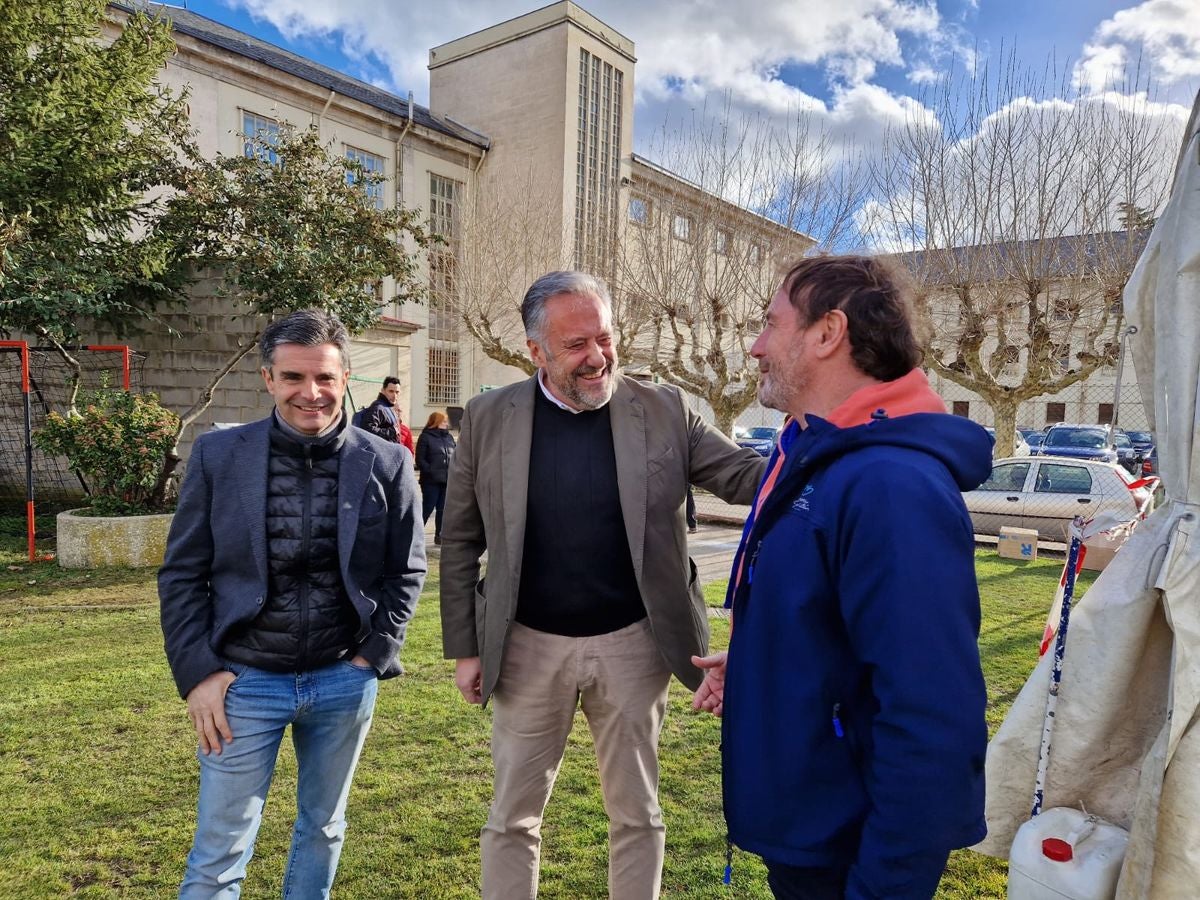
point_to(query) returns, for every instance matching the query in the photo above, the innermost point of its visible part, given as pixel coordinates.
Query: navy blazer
(214, 576)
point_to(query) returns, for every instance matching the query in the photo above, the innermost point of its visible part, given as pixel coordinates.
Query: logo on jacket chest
(800, 504)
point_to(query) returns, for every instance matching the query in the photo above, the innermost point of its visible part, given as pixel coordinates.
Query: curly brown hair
(876, 298)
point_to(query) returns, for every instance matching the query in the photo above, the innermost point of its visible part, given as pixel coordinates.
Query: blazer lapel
(354, 474)
(628, 419)
(252, 487)
(516, 441)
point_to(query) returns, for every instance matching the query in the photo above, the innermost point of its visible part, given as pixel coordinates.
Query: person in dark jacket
(382, 418)
(435, 449)
(853, 733)
(293, 566)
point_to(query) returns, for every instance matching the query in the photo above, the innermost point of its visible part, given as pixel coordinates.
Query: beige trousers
(620, 680)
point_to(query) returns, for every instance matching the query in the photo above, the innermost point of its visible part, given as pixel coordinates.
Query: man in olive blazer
(574, 483)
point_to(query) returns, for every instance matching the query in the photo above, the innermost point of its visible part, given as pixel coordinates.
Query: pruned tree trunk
(172, 459)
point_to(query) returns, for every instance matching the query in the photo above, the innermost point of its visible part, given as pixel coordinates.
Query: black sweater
(577, 574)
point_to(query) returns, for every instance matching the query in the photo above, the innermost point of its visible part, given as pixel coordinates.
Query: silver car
(1046, 493)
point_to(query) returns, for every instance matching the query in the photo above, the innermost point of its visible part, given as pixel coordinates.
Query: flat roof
(211, 32)
(531, 23)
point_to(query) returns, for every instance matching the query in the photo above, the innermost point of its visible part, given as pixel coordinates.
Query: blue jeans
(433, 498)
(330, 711)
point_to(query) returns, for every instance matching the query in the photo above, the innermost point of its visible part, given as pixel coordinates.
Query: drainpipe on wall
(325, 108)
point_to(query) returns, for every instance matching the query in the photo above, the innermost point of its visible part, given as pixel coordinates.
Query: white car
(1020, 445)
(1046, 493)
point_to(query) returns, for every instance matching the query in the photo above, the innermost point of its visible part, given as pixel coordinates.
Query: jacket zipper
(305, 528)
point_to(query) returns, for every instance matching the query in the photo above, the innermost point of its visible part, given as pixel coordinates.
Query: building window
(597, 161)
(639, 210)
(444, 195)
(371, 165)
(262, 135)
(755, 253)
(442, 375)
(961, 408)
(1104, 414)
(1055, 413)
(1012, 359)
(1064, 309)
(1061, 353)
(681, 227)
(721, 242)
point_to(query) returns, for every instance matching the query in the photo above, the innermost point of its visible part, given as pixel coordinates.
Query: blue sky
(854, 68)
(890, 41)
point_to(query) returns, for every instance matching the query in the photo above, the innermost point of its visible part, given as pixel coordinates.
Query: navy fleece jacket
(853, 731)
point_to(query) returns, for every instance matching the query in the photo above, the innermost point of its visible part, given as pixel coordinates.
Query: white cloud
(1164, 34)
(707, 46)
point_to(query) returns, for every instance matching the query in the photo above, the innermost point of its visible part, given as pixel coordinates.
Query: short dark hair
(391, 379)
(877, 301)
(309, 327)
(552, 284)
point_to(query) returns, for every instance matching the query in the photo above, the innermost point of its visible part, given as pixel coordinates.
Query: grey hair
(309, 327)
(552, 284)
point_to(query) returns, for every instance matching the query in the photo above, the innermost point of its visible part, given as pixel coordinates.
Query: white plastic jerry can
(1065, 854)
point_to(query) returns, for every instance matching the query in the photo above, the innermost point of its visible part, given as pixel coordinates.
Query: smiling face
(785, 369)
(308, 384)
(576, 351)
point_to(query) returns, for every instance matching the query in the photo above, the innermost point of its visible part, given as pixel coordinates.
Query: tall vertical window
(262, 134)
(443, 370)
(597, 161)
(372, 165)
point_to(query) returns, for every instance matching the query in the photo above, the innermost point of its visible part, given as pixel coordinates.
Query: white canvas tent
(1126, 742)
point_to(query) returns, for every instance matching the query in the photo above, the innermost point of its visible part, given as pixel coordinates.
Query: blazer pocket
(660, 462)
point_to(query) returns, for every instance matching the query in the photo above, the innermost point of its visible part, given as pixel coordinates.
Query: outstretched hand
(711, 693)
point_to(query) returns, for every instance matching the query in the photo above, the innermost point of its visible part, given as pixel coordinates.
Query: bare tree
(1013, 198)
(506, 234)
(705, 236)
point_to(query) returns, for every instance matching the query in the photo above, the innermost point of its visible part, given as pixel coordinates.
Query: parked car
(1020, 447)
(1033, 438)
(1092, 442)
(761, 439)
(1046, 493)
(1143, 442)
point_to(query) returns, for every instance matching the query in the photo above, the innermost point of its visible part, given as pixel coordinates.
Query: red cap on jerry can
(1057, 849)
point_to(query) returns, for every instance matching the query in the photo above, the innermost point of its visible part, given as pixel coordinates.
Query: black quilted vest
(307, 620)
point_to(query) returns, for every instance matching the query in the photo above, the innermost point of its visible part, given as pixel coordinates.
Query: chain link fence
(1084, 451)
(47, 389)
(1101, 457)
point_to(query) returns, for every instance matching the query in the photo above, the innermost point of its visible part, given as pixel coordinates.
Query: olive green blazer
(661, 445)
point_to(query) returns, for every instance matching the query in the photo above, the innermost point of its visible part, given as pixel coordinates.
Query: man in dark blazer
(574, 482)
(293, 565)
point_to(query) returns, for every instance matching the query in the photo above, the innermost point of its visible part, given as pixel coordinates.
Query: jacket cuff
(382, 652)
(200, 663)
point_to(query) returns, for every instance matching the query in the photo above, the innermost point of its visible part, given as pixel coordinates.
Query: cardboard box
(1101, 548)
(1017, 543)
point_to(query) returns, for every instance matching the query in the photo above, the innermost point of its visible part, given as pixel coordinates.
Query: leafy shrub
(116, 441)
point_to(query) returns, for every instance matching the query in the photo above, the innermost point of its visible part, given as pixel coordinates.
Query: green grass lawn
(98, 776)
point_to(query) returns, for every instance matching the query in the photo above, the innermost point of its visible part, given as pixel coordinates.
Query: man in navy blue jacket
(853, 734)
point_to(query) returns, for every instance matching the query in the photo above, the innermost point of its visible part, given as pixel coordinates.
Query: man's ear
(833, 334)
(535, 353)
